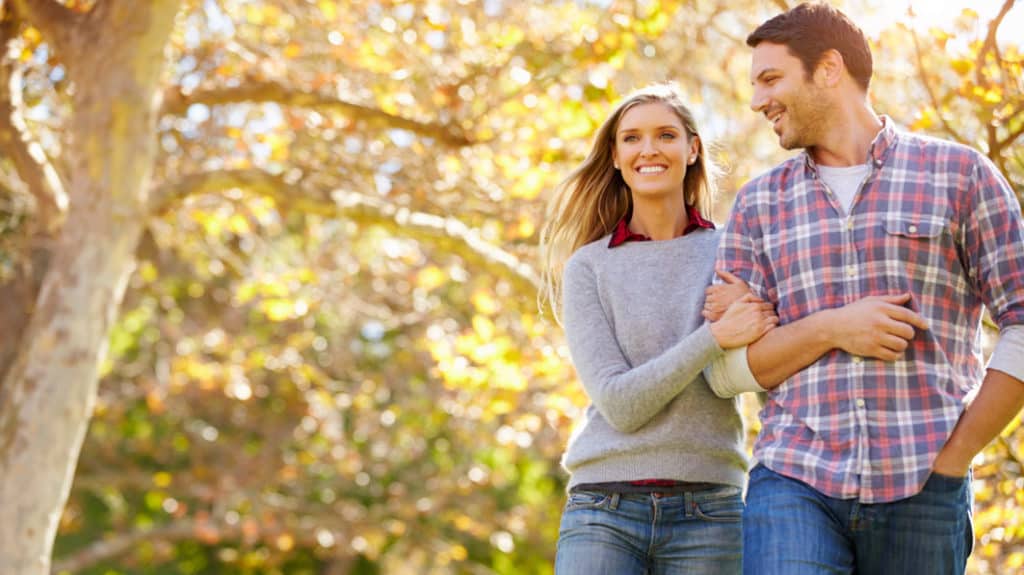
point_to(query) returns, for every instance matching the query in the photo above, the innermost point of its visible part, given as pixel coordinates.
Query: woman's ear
(694, 150)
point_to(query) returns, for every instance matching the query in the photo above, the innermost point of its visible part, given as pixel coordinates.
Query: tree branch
(931, 93)
(360, 208)
(990, 42)
(55, 21)
(1011, 138)
(121, 544)
(27, 155)
(420, 224)
(175, 102)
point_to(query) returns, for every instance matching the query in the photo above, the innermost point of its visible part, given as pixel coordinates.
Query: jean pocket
(586, 500)
(725, 509)
(943, 483)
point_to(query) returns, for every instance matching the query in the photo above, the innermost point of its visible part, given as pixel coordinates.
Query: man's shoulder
(933, 148)
(784, 172)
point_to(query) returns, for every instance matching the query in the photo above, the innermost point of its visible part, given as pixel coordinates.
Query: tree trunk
(115, 59)
(47, 399)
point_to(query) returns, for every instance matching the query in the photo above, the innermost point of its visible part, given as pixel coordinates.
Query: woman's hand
(718, 298)
(743, 322)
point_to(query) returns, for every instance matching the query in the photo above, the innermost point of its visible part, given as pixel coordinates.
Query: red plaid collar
(622, 234)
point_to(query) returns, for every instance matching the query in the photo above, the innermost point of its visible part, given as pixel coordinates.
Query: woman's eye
(668, 136)
(629, 138)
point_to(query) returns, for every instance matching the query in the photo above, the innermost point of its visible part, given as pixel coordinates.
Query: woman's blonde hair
(593, 198)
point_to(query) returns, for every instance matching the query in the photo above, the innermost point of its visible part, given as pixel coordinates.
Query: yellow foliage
(484, 302)
(238, 224)
(328, 8)
(969, 14)
(994, 95)
(525, 228)
(484, 327)
(148, 272)
(574, 122)
(212, 224)
(509, 376)
(285, 542)
(530, 184)
(962, 66)
(463, 522)
(940, 36)
(32, 35)
(926, 118)
(509, 36)
(154, 401)
(256, 15)
(459, 553)
(277, 309)
(292, 50)
(430, 277)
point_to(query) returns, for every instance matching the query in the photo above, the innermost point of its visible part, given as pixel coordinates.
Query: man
(864, 456)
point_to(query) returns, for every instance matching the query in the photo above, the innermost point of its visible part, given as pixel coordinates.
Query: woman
(657, 464)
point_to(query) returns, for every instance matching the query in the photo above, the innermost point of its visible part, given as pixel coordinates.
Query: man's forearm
(787, 349)
(999, 400)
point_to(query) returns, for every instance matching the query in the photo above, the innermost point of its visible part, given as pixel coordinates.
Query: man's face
(796, 107)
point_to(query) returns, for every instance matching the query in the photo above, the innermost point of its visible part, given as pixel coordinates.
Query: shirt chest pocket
(914, 228)
(920, 246)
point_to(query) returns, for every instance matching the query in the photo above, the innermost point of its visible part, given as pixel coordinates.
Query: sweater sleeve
(626, 396)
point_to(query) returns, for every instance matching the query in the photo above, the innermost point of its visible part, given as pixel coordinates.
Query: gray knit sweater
(638, 342)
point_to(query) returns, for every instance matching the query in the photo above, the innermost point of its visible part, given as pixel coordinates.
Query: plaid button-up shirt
(933, 218)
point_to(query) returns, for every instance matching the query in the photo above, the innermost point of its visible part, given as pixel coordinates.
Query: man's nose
(758, 102)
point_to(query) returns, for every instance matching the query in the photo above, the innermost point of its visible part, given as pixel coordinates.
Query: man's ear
(830, 69)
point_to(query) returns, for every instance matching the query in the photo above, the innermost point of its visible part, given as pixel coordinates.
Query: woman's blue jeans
(790, 528)
(693, 533)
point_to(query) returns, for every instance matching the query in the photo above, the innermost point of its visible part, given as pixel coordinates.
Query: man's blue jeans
(695, 533)
(792, 529)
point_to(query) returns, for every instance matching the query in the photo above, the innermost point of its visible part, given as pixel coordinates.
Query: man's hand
(718, 298)
(876, 326)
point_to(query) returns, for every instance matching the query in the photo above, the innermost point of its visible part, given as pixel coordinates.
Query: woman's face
(652, 150)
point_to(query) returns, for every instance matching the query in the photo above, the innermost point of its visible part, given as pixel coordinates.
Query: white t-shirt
(844, 182)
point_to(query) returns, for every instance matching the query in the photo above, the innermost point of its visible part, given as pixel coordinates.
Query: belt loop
(614, 504)
(688, 504)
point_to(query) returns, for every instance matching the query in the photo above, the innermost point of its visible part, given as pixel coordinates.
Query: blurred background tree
(329, 357)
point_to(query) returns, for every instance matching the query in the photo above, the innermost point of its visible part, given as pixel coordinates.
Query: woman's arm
(630, 396)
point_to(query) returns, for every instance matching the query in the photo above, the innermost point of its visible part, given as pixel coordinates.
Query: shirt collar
(881, 146)
(622, 234)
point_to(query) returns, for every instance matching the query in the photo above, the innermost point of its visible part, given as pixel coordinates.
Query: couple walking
(848, 283)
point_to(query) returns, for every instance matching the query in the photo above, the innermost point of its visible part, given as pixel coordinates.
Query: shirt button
(849, 224)
(856, 359)
(851, 271)
(860, 403)
(912, 229)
